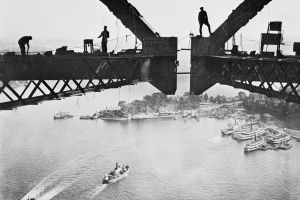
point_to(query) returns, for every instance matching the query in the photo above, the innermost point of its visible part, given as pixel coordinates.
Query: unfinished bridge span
(67, 73)
(277, 77)
(50, 77)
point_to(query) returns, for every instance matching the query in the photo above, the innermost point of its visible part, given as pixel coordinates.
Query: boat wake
(56, 190)
(96, 191)
(57, 181)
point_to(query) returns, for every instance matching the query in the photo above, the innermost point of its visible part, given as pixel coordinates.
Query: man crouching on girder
(22, 42)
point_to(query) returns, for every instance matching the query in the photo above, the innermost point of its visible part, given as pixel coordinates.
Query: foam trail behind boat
(56, 190)
(49, 180)
(96, 191)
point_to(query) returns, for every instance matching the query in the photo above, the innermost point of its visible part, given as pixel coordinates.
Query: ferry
(143, 116)
(62, 115)
(279, 140)
(117, 174)
(240, 131)
(250, 135)
(166, 115)
(255, 145)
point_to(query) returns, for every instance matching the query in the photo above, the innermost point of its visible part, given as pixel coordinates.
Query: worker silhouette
(104, 34)
(22, 42)
(203, 19)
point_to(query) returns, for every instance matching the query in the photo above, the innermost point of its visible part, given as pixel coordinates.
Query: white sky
(54, 23)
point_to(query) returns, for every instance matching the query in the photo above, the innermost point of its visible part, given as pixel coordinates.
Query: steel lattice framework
(48, 92)
(69, 73)
(41, 89)
(279, 79)
(275, 77)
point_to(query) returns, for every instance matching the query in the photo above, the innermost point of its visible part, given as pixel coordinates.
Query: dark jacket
(202, 17)
(24, 40)
(104, 35)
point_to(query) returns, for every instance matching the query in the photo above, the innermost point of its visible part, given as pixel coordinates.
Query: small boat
(255, 145)
(294, 133)
(285, 146)
(62, 115)
(87, 117)
(227, 131)
(90, 117)
(117, 174)
(115, 118)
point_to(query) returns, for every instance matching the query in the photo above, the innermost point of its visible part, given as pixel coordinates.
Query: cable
(180, 39)
(94, 94)
(77, 103)
(128, 93)
(117, 34)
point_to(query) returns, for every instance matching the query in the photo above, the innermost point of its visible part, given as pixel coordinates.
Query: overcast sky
(59, 22)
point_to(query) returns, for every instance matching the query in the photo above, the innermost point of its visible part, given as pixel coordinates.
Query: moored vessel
(62, 115)
(279, 139)
(113, 115)
(255, 145)
(294, 133)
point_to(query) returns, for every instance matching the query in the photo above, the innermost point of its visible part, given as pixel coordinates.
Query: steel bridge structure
(275, 77)
(47, 77)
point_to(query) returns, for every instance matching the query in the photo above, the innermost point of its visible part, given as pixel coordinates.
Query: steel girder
(93, 79)
(278, 78)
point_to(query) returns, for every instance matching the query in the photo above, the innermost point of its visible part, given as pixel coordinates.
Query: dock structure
(277, 77)
(49, 77)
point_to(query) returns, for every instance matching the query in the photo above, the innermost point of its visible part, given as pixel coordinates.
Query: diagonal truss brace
(61, 88)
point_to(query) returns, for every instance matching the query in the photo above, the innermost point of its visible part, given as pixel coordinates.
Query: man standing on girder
(203, 19)
(104, 34)
(22, 42)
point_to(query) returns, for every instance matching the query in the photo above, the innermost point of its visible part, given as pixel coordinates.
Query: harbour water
(48, 159)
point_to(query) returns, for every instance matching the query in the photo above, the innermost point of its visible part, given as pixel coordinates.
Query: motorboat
(117, 174)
